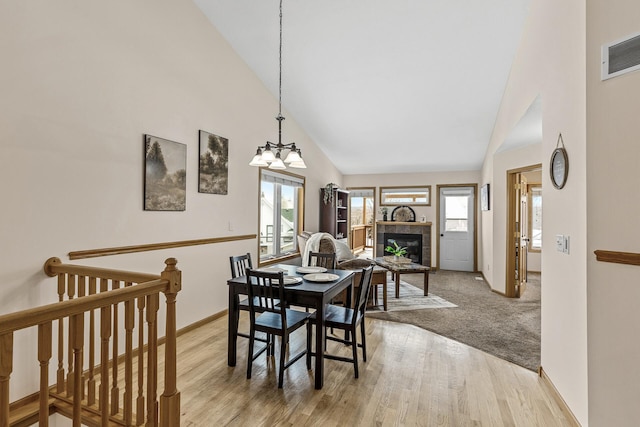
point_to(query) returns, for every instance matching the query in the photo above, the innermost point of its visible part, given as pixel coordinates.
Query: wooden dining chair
(269, 314)
(322, 259)
(239, 266)
(348, 320)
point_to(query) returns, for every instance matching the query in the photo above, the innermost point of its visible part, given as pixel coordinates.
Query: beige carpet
(508, 328)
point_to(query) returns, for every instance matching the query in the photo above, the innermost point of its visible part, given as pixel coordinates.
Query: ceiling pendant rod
(264, 155)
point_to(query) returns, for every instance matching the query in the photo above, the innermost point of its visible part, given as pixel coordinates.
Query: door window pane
(287, 218)
(536, 218)
(456, 213)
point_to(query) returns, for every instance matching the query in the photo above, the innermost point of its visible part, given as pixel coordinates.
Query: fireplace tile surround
(423, 228)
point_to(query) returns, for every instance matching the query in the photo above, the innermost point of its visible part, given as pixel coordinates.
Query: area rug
(411, 298)
(508, 328)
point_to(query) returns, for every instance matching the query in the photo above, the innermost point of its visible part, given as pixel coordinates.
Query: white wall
(494, 267)
(426, 178)
(613, 161)
(550, 63)
(81, 83)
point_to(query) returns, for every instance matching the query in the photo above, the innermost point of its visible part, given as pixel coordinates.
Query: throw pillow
(343, 252)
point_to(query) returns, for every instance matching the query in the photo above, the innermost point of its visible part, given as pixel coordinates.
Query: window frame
(399, 189)
(285, 176)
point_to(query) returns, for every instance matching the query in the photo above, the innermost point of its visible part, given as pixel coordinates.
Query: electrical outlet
(230, 226)
(559, 242)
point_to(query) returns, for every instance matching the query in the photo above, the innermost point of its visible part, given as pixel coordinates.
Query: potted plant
(327, 196)
(397, 251)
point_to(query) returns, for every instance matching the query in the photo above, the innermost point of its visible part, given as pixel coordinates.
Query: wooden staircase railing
(118, 306)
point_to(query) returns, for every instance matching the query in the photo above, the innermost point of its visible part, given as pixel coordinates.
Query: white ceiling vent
(621, 56)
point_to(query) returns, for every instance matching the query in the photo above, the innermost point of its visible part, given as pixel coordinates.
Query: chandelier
(270, 154)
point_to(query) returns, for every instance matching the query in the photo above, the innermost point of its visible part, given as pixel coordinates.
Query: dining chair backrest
(363, 291)
(239, 264)
(322, 259)
(266, 293)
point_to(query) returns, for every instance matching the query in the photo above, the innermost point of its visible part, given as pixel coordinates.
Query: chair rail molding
(629, 258)
(93, 253)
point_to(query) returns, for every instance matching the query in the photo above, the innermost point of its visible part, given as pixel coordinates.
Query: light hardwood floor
(412, 377)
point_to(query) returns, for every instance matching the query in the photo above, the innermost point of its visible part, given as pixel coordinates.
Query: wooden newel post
(170, 399)
(6, 367)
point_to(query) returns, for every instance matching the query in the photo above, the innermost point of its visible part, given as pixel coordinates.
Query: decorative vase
(384, 217)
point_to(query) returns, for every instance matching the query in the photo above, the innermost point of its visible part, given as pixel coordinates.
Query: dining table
(311, 292)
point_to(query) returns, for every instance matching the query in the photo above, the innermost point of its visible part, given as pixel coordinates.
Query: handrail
(92, 299)
(54, 266)
(46, 313)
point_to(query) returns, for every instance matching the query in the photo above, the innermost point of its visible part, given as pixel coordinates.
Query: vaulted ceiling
(382, 86)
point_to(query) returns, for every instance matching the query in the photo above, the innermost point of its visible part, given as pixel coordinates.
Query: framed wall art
(484, 197)
(165, 177)
(213, 172)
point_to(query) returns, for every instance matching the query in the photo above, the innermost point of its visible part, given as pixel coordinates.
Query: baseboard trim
(491, 287)
(201, 322)
(557, 397)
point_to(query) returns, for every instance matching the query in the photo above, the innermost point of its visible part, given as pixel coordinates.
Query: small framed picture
(484, 198)
(165, 177)
(213, 176)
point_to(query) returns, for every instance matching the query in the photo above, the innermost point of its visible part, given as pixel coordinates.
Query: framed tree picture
(484, 197)
(213, 176)
(165, 177)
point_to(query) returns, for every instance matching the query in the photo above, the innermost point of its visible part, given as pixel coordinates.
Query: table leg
(320, 332)
(426, 283)
(384, 292)
(397, 276)
(233, 317)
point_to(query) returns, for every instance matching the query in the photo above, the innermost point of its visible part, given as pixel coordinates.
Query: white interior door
(457, 228)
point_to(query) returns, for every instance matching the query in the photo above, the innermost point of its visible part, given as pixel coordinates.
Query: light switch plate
(565, 245)
(559, 242)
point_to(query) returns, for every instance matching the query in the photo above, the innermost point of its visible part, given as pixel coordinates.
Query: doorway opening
(362, 217)
(524, 227)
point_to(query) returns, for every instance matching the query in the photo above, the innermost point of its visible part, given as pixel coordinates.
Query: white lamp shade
(268, 156)
(293, 156)
(258, 161)
(300, 164)
(277, 164)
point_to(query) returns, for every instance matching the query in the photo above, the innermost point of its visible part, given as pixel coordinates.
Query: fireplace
(417, 230)
(412, 242)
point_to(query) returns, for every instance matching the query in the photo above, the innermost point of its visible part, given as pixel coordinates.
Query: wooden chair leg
(283, 350)
(364, 341)
(354, 347)
(252, 337)
(309, 336)
(271, 342)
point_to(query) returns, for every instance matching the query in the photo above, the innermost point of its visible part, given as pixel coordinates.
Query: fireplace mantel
(423, 228)
(420, 224)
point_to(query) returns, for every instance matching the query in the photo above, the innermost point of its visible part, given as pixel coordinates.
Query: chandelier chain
(280, 68)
